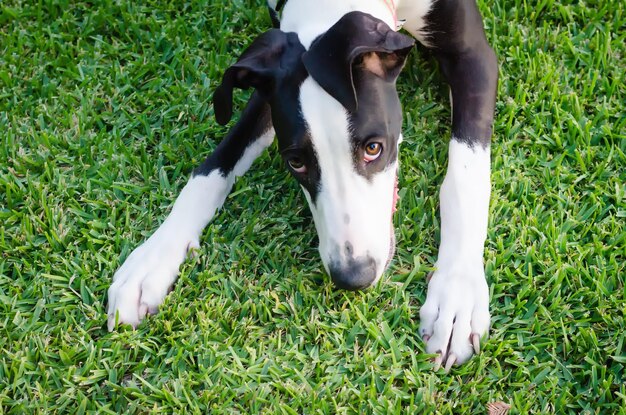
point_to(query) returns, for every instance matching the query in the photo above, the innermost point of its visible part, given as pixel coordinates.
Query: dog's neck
(322, 14)
(391, 5)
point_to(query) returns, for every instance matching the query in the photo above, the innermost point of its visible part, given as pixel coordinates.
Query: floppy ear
(356, 38)
(270, 58)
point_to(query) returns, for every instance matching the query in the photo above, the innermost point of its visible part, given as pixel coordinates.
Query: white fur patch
(457, 304)
(252, 152)
(413, 13)
(349, 211)
(143, 281)
(311, 18)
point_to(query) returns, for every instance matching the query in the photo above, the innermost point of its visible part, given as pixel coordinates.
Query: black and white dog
(325, 87)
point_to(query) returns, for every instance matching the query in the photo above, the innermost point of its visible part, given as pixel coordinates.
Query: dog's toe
(144, 280)
(455, 316)
(124, 297)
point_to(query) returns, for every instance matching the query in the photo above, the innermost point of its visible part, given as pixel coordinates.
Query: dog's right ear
(356, 37)
(268, 60)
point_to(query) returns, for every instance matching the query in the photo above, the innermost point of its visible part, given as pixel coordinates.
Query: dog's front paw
(456, 313)
(145, 278)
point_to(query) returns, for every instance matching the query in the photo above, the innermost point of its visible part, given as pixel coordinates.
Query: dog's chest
(310, 18)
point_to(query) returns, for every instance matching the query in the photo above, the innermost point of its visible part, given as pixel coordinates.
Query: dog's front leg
(456, 313)
(143, 281)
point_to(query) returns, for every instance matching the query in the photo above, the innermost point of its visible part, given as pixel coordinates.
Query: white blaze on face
(352, 214)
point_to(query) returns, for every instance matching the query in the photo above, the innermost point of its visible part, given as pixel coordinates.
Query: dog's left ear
(356, 39)
(272, 57)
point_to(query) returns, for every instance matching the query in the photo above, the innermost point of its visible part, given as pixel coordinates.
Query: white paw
(145, 278)
(456, 313)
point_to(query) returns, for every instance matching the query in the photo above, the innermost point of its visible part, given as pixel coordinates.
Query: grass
(104, 112)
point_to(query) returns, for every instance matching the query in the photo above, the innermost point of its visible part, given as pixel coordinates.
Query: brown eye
(372, 151)
(297, 165)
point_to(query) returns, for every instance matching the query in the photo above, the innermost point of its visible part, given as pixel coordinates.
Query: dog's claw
(192, 249)
(112, 321)
(475, 340)
(450, 362)
(437, 362)
(143, 311)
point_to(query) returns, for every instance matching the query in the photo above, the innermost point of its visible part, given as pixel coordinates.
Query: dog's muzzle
(360, 273)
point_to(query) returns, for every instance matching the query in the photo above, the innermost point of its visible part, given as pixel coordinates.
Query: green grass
(104, 112)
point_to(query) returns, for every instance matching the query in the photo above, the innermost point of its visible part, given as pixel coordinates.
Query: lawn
(105, 109)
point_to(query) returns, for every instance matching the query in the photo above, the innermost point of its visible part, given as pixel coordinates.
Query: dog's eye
(297, 165)
(372, 151)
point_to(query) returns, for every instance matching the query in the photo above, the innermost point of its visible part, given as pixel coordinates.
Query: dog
(325, 86)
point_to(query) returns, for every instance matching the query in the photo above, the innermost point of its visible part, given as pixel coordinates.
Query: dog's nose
(356, 275)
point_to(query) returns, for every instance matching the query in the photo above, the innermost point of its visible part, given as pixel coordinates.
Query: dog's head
(337, 118)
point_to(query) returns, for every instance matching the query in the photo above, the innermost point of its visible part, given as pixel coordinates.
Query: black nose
(355, 275)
